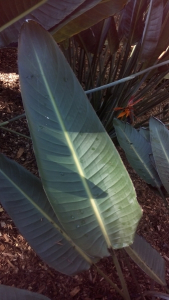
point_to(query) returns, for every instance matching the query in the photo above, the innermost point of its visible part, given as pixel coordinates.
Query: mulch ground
(19, 265)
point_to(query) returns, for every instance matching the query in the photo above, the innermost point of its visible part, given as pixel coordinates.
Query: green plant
(89, 198)
(60, 18)
(147, 151)
(67, 158)
(11, 293)
(80, 168)
(117, 48)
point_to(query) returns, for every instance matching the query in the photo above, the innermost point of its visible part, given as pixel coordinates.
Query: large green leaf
(160, 147)
(138, 152)
(49, 14)
(145, 133)
(148, 259)
(15, 10)
(23, 197)
(152, 29)
(11, 293)
(163, 40)
(131, 23)
(82, 173)
(99, 12)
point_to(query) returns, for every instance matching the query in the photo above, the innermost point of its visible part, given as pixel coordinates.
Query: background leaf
(160, 147)
(81, 171)
(138, 152)
(148, 259)
(49, 15)
(89, 18)
(152, 29)
(13, 11)
(12, 293)
(23, 197)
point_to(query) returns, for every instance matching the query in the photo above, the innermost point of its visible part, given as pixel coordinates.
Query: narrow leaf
(12, 293)
(138, 152)
(113, 38)
(131, 23)
(81, 171)
(86, 20)
(148, 259)
(152, 29)
(15, 10)
(160, 147)
(23, 197)
(51, 13)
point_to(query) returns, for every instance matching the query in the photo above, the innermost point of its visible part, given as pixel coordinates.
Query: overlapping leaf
(138, 152)
(148, 259)
(81, 171)
(51, 13)
(12, 293)
(131, 24)
(160, 147)
(89, 18)
(23, 197)
(152, 29)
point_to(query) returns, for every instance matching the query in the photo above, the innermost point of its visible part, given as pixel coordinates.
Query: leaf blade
(138, 152)
(152, 29)
(159, 141)
(24, 199)
(89, 18)
(49, 14)
(148, 259)
(76, 158)
(12, 293)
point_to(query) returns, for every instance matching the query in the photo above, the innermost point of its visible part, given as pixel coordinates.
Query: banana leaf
(148, 259)
(160, 147)
(152, 29)
(81, 171)
(131, 22)
(99, 12)
(145, 133)
(54, 15)
(12, 293)
(23, 197)
(49, 14)
(138, 152)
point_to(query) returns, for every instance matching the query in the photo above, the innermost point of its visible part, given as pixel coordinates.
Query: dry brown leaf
(6, 237)
(20, 152)
(75, 291)
(2, 247)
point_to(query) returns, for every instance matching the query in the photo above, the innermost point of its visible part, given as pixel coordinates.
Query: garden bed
(19, 265)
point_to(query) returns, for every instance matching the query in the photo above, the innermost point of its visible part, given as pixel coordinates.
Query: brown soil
(19, 265)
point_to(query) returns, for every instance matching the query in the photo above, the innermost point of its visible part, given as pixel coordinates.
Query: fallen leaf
(20, 152)
(6, 238)
(2, 248)
(75, 291)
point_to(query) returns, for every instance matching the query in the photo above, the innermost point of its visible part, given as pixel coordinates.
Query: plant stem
(109, 281)
(11, 120)
(163, 197)
(132, 274)
(15, 132)
(120, 274)
(126, 78)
